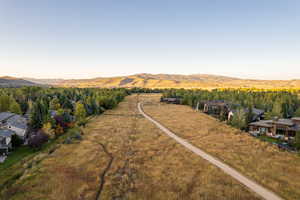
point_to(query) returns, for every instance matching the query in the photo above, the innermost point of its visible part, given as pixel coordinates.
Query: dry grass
(147, 165)
(263, 162)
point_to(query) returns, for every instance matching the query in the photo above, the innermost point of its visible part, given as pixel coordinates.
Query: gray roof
(17, 121)
(5, 115)
(263, 123)
(6, 133)
(268, 123)
(257, 111)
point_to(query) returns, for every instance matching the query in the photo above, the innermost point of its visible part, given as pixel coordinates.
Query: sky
(96, 38)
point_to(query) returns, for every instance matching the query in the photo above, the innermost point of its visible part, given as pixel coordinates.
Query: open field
(146, 164)
(277, 170)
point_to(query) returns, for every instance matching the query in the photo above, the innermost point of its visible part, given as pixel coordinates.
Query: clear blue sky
(82, 39)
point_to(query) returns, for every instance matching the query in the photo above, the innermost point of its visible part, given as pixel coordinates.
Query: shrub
(38, 139)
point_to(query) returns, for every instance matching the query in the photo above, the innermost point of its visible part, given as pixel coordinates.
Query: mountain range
(155, 81)
(8, 81)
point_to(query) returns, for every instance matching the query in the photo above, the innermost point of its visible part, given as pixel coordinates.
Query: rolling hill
(7, 81)
(171, 81)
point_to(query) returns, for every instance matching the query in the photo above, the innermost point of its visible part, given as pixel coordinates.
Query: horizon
(220, 75)
(71, 40)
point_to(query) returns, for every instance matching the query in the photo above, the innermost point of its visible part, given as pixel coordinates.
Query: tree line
(54, 110)
(275, 103)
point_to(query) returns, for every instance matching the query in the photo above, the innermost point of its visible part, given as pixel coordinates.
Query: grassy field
(262, 161)
(146, 164)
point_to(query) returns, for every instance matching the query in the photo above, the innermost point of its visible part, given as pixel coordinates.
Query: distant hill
(177, 81)
(159, 81)
(7, 81)
(44, 81)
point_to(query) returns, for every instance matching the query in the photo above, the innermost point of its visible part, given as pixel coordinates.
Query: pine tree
(39, 115)
(14, 107)
(239, 119)
(4, 103)
(80, 112)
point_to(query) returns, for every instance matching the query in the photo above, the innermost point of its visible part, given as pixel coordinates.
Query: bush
(38, 139)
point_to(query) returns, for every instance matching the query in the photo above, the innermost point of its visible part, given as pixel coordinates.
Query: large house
(18, 124)
(5, 141)
(15, 123)
(279, 127)
(171, 100)
(4, 116)
(216, 107)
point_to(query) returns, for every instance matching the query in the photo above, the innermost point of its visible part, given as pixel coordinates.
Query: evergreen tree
(54, 104)
(14, 107)
(39, 115)
(239, 119)
(80, 113)
(4, 103)
(297, 113)
(276, 111)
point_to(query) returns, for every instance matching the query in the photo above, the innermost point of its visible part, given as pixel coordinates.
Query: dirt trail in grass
(146, 165)
(263, 162)
(263, 192)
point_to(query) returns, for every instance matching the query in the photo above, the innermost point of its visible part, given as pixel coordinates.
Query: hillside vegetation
(7, 81)
(173, 81)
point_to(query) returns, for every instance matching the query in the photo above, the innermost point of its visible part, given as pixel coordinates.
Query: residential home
(171, 100)
(5, 141)
(18, 124)
(216, 107)
(4, 116)
(286, 128)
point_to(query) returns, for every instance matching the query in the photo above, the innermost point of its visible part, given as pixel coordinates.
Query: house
(4, 116)
(216, 107)
(171, 100)
(257, 114)
(17, 124)
(285, 128)
(5, 141)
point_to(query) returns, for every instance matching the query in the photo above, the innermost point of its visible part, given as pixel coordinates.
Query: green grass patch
(269, 139)
(17, 155)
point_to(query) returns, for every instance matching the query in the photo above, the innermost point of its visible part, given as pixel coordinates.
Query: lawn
(17, 155)
(269, 139)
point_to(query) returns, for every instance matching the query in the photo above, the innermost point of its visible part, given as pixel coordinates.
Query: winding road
(252, 185)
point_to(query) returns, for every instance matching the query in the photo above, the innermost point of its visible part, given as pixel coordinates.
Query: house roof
(170, 99)
(6, 133)
(217, 103)
(287, 122)
(5, 115)
(262, 123)
(17, 121)
(257, 111)
(269, 123)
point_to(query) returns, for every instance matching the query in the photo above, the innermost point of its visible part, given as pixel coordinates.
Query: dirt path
(263, 192)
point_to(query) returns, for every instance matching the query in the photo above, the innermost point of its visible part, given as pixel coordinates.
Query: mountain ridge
(146, 80)
(9, 81)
